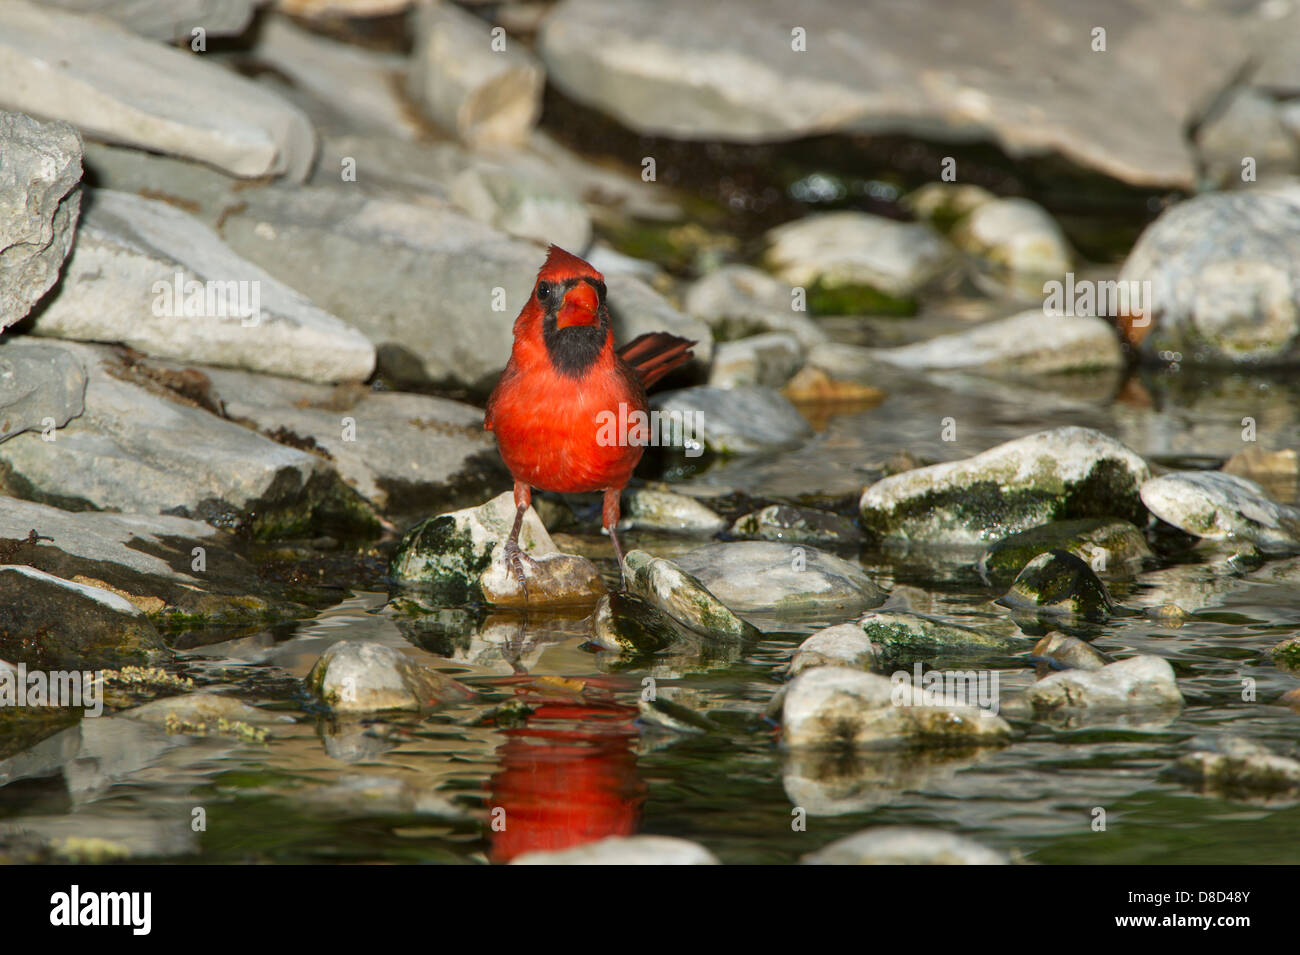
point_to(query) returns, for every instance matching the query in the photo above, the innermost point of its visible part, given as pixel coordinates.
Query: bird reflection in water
(568, 775)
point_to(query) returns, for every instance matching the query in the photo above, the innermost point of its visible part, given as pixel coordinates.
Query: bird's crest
(561, 265)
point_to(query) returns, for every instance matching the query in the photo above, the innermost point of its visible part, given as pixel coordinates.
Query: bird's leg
(609, 517)
(511, 551)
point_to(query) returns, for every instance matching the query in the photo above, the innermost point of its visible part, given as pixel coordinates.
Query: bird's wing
(655, 354)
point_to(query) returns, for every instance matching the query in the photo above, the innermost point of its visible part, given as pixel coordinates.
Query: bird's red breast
(551, 409)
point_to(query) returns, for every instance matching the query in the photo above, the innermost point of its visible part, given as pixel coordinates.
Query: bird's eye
(543, 291)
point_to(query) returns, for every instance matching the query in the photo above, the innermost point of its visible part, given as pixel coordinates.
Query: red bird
(563, 373)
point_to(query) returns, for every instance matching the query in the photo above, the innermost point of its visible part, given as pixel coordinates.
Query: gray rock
(169, 20)
(1016, 241)
(836, 707)
(142, 447)
(342, 86)
(1058, 582)
(796, 525)
(400, 451)
(357, 676)
(901, 633)
(1237, 766)
(1225, 284)
(103, 835)
(623, 850)
(655, 69)
(52, 623)
(943, 203)
(107, 82)
(441, 323)
(1109, 547)
(39, 204)
(739, 300)
(781, 578)
(1220, 506)
(1249, 124)
(483, 94)
(843, 645)
(768, 360)
(1063, 473)
(904, 845)
(1138, 683)
(1026, 344)
(512, 191)
(657, 509)
(856, 248)
(121, 285)
(742, 420)
(1070, 652)
(683, 597)
(448, 553)
(40, 388)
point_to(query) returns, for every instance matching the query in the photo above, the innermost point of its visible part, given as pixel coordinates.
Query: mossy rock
(1106, 545)
(1058, 582)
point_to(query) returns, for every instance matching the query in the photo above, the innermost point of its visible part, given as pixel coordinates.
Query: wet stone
(793, 524)
(356, 676)
(1058, 582)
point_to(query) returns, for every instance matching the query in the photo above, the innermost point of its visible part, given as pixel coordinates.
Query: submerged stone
(759, 575)
(1235, 765)
(1142, 682)
(1070, 652)
(836, 707)
(843, 645)
(553, 579)
(359, 676)
(792, 524)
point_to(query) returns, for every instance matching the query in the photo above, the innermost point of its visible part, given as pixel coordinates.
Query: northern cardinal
(564, 371)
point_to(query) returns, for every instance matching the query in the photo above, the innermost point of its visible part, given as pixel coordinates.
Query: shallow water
(582, 764)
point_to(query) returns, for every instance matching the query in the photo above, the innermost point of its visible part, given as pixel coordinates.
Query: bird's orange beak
(579, 307)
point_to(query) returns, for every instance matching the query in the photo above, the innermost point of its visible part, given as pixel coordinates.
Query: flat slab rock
(1052, 475)
(106, 81)
(142, 448)
(776, 577)
(121, 284)
(731, 71)
(148, 559)
(357, 676)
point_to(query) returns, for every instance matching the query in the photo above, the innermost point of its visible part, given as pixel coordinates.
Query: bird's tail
(655, 354)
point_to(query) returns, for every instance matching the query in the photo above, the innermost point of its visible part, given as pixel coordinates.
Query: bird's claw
(516, 557)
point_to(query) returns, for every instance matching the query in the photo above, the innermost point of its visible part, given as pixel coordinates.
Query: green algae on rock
(1062, 473)
(448, 553)
(900, 632)
(1058, 582)
(52, 623)
(683, 597)
(1108, 546)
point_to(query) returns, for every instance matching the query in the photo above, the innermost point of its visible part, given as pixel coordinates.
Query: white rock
(775, 577)
(623, 850)
(1221, 506)
(904, 845)
(1137, 683)
(842, 645)
(856, 248)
